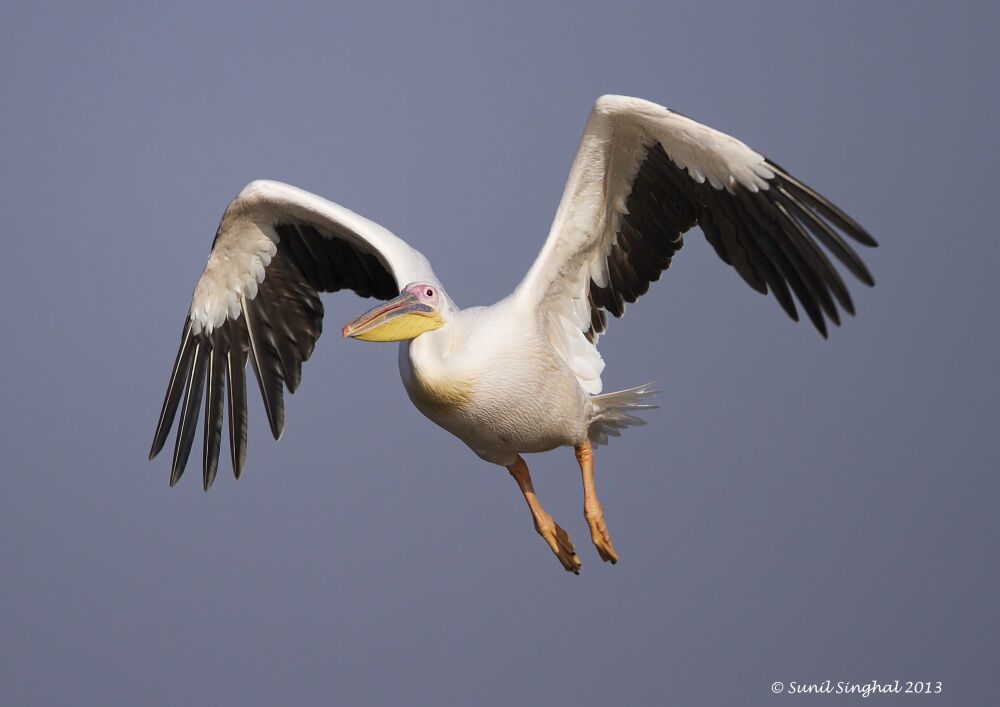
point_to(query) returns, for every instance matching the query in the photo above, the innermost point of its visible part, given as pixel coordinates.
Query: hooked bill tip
(346, 330)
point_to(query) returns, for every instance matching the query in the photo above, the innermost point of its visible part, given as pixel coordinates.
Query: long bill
(404, 317)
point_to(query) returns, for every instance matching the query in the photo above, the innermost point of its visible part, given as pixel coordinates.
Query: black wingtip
(175, 387)
(820, 323)
(267, 367)
(847, 224)
(236, 386)
(214, 404)
(858, 232)
(189, 411)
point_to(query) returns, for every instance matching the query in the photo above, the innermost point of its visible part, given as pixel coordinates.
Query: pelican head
(417, 310)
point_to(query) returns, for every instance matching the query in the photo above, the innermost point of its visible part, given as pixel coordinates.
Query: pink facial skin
(428, 294)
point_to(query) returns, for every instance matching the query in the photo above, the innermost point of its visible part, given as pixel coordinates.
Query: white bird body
(460, 377)
(522, 375)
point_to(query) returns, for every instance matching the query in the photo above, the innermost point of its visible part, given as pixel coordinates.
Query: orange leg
(592, 509)
(556, 537)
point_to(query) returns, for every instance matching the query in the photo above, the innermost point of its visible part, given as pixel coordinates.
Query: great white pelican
(522, 375)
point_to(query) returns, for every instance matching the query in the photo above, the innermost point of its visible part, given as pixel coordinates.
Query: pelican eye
(429, 292)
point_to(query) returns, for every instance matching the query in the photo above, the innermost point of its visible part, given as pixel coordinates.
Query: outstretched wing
(642, 177)
(277, 247)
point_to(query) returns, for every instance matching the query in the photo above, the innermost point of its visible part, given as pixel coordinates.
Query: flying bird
(522, 375)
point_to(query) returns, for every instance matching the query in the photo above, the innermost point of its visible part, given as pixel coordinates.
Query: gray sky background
(797, 510)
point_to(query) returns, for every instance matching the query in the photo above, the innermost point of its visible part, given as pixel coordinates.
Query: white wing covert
(643, 176)
(276, 249)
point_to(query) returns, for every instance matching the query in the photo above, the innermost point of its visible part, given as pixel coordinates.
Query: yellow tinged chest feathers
(440, 393)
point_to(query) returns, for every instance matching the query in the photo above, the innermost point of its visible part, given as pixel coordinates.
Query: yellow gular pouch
(403, 326)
